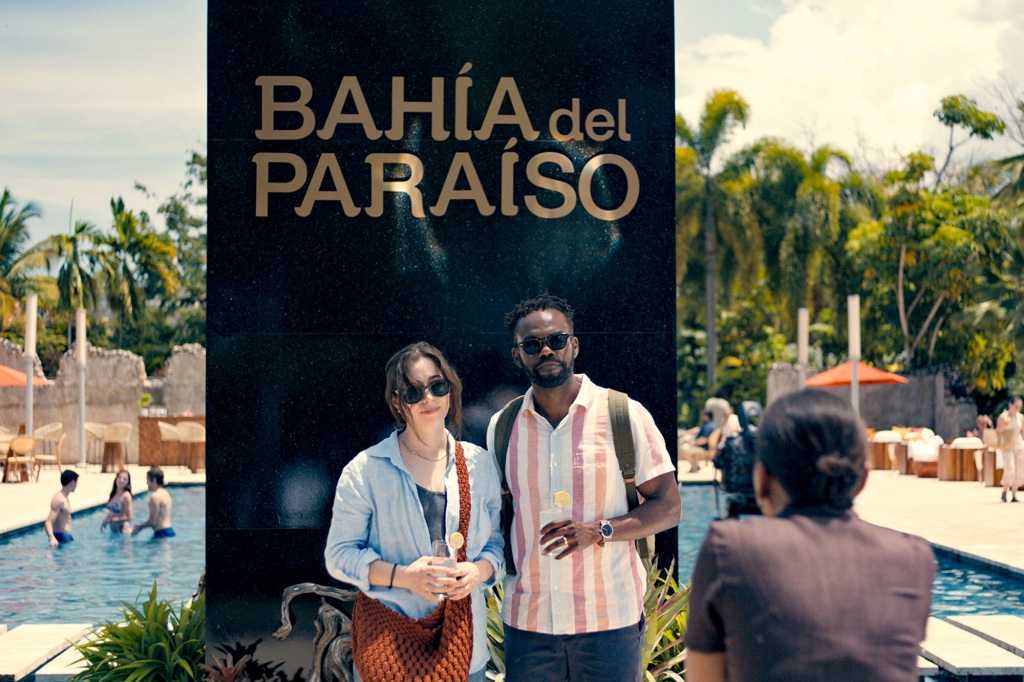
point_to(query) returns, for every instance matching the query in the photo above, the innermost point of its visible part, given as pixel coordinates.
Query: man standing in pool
(575, 609)
(159, 506)
(58, 522)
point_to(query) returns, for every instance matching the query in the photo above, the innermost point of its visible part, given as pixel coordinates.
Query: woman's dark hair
(113, 487)
(815, 445)
(397, 383)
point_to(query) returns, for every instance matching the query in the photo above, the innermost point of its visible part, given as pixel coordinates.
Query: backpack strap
(625, 452)
(502, 436)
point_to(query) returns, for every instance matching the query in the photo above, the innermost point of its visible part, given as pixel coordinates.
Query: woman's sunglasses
(438, 389)
(554, 342)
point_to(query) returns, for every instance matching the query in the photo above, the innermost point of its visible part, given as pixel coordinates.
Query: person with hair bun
(808, 591)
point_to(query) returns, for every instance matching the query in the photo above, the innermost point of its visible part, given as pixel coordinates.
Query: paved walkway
(27, 504)
(960, 516)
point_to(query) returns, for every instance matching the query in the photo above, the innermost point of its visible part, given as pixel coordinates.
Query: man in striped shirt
(575, 609)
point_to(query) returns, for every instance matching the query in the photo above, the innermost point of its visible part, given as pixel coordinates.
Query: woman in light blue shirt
(395, 498)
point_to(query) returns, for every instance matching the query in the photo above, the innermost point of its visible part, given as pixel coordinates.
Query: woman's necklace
(421, 456)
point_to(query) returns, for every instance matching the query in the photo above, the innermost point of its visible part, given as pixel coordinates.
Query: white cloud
(96, 96)
(842, 71)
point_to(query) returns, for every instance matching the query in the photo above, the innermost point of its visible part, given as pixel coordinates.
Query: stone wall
(927, 401)
(184, 388)
(114, 383)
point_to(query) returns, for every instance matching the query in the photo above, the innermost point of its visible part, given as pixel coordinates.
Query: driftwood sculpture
(332, 645)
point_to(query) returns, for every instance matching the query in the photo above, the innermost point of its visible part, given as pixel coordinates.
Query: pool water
(85, 581)
(960, 587)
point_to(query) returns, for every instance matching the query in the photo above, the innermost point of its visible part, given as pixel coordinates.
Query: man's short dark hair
(157, 474)
(67, 476)
(545, 301)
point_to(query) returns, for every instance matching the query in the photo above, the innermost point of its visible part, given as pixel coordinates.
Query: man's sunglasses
(554, 342)
(438, 389)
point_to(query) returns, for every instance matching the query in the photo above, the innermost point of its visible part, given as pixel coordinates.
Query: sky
(97, 95)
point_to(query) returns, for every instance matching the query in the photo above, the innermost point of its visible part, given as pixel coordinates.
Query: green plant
(151, 644)
(495, 631)
(662, 655)
(247, 668)
(146, 400)
(666, 607)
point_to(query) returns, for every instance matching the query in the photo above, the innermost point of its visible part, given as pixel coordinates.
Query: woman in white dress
(1011, 421)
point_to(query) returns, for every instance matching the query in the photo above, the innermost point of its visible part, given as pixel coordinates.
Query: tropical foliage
(666, 605)
(934, 251)
(143, 287)
(151, 643)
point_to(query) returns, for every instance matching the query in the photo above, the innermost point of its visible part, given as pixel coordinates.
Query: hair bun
(834, 465)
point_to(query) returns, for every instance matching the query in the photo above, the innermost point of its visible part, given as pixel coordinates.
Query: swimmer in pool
(119, 505)
(159, 506)
(58, 521)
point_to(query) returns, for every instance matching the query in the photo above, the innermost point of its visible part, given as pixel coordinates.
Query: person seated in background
(980, 424)
(808, 592)
(692, 451)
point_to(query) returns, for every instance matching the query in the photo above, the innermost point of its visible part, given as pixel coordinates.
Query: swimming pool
(86, 581)
(960, 587)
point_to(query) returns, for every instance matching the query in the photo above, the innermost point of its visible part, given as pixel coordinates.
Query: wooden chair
(193, 443)
(18, 466)
(49, 441)
(170, 441)
(115, 446)
(94, 432)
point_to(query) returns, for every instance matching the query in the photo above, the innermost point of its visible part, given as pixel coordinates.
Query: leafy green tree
(723, 111)
(960, 111)
(79, 262)
(139, 264)
(924, 261)
(185, 215)
(15, 265)
(1011, 194)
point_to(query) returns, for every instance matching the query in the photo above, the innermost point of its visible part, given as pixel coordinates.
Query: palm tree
(139, 263)
(723, 110)
(14, 263)
(79, 264)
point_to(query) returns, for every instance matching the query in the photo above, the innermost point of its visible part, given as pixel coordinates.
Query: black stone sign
(386, 172)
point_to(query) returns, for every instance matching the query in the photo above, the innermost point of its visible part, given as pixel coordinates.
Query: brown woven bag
(387, 646)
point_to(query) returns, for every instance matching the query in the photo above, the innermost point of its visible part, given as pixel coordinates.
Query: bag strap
(465, 499)
(502, 436)
(625, 451)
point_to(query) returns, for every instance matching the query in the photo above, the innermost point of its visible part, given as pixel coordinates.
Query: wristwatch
(606, 531)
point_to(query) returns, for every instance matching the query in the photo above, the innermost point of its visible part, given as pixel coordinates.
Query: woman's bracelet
(391, 583)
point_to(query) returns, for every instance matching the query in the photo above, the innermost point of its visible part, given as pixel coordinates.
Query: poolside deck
(962, 517)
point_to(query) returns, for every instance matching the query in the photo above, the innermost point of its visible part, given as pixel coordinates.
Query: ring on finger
(565, 540)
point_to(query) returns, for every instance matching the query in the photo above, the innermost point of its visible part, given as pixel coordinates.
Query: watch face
(606, 529)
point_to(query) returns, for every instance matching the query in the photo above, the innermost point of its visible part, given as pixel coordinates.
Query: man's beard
(550, 380)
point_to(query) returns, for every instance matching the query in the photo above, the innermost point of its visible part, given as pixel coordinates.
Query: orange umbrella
(12, 377)
(842, 375)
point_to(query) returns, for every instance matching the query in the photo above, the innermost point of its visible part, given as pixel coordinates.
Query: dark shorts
(63, 537)
(164, 533)
(609, 656)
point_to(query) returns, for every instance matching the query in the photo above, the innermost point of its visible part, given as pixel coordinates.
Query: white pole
(31, 311)
(853, 322)
(802, 337)
(80, 353)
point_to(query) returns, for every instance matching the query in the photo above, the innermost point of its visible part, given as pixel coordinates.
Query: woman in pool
(808, 591)
(119, 506)
(396, 498)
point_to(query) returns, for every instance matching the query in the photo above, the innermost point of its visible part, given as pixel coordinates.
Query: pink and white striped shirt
(600, 588)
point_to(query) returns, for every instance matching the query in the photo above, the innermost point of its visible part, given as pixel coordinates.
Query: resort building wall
(929, 400)
(114, 383)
